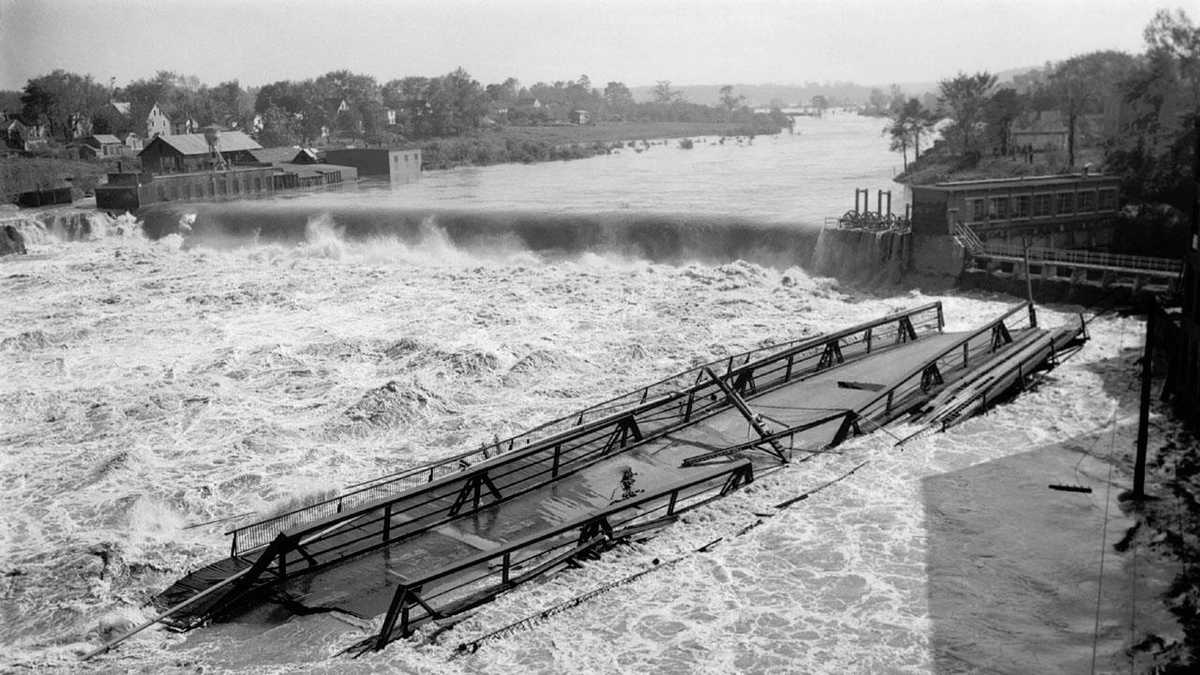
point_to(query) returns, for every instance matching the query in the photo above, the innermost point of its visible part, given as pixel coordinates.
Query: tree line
(355, 106)
(1137, 111)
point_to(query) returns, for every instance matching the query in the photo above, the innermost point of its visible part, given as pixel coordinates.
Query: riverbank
(1167, 529)
(23, 174)
(526, 145)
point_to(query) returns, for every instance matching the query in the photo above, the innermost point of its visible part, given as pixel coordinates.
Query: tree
(1080, 84)
(456, 104)
(900, 135)
(1002, 109)
(10, 100)
(59, 98)
(505, 93)
(910, 119)
(964, 97)
(1176, 38)
(729, 101)
(280, 127)
(1154, 151)
(617, 96)
(663, 93)
(876, 102)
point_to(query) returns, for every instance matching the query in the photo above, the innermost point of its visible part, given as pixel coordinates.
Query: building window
(1087, 201)
(1066, 202)
(998, 208)
(978, 210)
(1108, 200)
(1023, 206)
(1041, 205)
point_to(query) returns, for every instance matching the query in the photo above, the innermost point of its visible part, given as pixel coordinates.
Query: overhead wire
(1104, 527)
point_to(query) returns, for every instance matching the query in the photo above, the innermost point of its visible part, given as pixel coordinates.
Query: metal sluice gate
(442, 537)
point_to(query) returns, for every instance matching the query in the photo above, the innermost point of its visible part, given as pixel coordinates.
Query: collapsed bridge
(440, 538)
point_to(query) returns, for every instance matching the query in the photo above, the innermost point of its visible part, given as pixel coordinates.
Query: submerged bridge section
(443, 537)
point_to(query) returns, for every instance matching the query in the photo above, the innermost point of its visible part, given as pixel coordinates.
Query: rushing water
(154, 385)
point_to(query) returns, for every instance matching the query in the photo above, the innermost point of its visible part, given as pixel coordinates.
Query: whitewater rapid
(153, 386)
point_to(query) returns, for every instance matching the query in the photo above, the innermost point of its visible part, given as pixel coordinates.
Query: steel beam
(746, 412)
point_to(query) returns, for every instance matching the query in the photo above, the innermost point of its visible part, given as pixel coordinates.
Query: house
(1044, 132)
(100, 146)
(390, 113)
(399, 165)
(580, 117)
(124, 108)
(79, 126)
(132, 142)
(20, 136)
(184, 124)
(528, 102)
(190, 152)
(157, 122)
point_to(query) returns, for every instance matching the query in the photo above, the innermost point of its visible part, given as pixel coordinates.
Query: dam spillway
(673, 238)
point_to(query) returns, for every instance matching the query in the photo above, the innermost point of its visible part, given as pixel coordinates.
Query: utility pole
(1029, 285)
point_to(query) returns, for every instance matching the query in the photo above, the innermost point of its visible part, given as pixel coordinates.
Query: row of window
(1041, 205)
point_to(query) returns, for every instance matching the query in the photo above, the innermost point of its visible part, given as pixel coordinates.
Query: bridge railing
(655, 407)
(980, 344)
(476, 579)
(1052, 255)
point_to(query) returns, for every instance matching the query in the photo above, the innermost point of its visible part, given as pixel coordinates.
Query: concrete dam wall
(862, 256)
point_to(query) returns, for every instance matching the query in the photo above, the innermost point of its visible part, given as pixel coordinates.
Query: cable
(473, 646)
(1112, 442)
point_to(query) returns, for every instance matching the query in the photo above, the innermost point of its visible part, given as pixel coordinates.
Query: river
(154, 384)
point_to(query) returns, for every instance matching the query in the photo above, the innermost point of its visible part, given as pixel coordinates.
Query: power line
(1104, 528)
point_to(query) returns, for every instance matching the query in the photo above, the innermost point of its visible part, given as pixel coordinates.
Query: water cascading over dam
(862, 256)
(656, 237)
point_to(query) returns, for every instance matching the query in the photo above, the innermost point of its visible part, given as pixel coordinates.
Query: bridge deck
(362, 585)
(458, 539)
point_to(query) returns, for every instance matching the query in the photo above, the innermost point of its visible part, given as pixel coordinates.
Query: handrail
(622, 505)
(268, 526)
(917, 370)
(744, 469)
(609, 420)
(977, 247)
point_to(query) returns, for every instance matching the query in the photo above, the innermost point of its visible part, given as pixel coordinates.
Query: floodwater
(156, 384)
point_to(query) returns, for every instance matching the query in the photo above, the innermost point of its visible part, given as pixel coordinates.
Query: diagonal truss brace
(472, 490)
(732, 396)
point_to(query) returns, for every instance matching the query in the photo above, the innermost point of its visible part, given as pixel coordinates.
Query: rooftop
(1057, 179)
(196, 144)
(276, 155)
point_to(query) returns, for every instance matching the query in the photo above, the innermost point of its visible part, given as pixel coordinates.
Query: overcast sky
(634, 41)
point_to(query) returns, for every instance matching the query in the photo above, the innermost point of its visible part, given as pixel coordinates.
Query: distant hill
(838, 93)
